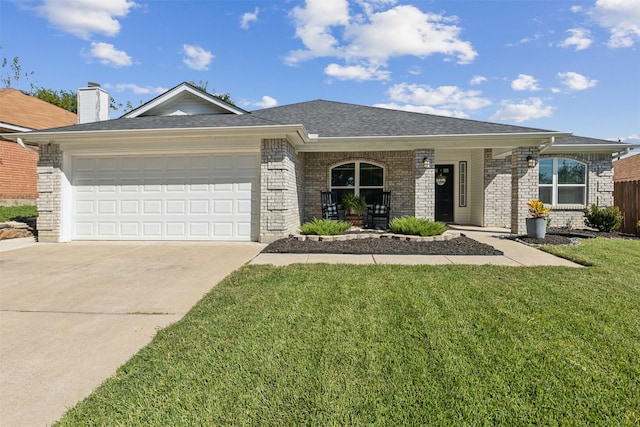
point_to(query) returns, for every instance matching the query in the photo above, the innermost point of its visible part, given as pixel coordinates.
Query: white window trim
(356, 187)
(554, 184)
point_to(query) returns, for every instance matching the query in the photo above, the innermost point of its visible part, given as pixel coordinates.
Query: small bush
(418, 227)
(605, 219)
(324, 227)
(17, 213)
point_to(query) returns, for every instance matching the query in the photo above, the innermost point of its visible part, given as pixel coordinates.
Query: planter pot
(536, 228)
(355, 220)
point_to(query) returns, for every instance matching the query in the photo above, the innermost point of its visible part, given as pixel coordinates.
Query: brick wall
(497, 191)
(18, 174)
(281, 178)
(399, 178)
(425, 192)
(524, 186)
(50, 193)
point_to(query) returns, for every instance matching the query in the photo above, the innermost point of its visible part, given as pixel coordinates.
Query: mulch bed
(458, 246)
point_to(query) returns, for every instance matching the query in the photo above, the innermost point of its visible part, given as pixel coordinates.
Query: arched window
(361, 178)
(562, 182)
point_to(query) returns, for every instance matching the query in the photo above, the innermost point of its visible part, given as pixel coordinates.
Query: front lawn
(17, 213)
(395, 345)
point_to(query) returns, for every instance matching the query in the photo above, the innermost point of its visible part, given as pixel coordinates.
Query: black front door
(444, 193)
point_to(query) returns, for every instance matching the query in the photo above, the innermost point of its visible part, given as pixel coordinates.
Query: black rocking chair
(329, 202)
(381, 209)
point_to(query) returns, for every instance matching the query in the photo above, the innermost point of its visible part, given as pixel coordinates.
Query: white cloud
(525, 82)
(576, 81)
(476, 80)
(196, 57)
(580, 39)
(85, 17)
(443, 100)
(528, 109)
(266, 102)
(370, 38)
(313, 26)
(109, 55)
(424, 109)
(621, 18)
(138, 90)
(415, 70)
(248, 18)
(356, 72)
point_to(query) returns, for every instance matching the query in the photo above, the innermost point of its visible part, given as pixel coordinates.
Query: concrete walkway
(515, 254)
(72, 313)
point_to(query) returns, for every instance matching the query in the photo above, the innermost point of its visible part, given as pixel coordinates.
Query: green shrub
(17, 213)
(324, 227)
(415, 226)
(604, 219)
(638, 227)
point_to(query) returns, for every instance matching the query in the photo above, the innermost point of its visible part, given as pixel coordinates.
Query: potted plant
(354, 208)
(537, 224)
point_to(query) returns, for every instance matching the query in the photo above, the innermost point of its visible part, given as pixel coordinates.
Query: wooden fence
(626, 196)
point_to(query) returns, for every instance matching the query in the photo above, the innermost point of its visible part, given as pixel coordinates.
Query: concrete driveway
(72, 313)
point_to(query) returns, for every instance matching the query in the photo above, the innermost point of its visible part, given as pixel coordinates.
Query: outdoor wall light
(531, 161)
(426, 163)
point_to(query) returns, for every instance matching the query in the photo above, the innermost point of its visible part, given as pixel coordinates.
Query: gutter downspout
(22, 144)
(544, 147)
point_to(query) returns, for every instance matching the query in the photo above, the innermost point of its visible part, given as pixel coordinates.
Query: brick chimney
(93, 104)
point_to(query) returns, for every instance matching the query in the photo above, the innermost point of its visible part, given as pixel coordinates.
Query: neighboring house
(188, 166)
(18, 173)
(627, 169)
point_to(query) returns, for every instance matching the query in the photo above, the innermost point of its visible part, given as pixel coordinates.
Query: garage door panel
(108, 164)
(198, 207)
(199, 229)
(107, 229)
(151, 207)
(107, 207)
(129, 207)
(223, 206)
(152, 163)
(203, 197)
(129, 229)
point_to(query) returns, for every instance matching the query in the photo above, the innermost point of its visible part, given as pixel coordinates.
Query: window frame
(555, 185)
(357, 187)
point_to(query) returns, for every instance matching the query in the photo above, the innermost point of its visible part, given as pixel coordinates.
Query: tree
(66, 99)
(202, 85)
(63, 98)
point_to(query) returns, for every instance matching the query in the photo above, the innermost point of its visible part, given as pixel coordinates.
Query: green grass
(395, 345)
(16, 213)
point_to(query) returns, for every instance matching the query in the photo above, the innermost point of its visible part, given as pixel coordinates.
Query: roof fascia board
(181, 88)
(430, 141)
(14, 127)
(589, 148)
(162, 147)
(294, 133)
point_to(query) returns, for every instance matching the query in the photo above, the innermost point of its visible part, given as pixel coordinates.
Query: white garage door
(194, 197)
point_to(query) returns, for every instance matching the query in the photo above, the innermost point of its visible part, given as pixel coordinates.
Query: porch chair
(381, 209)
(329, 201)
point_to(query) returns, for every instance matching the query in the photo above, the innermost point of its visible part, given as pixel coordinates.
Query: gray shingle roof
(327, 119)
(168, 122)
(336, 119)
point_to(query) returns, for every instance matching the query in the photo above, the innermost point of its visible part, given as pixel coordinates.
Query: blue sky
(557, 65)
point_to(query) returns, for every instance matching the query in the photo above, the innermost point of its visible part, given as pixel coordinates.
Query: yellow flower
(537, 209)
